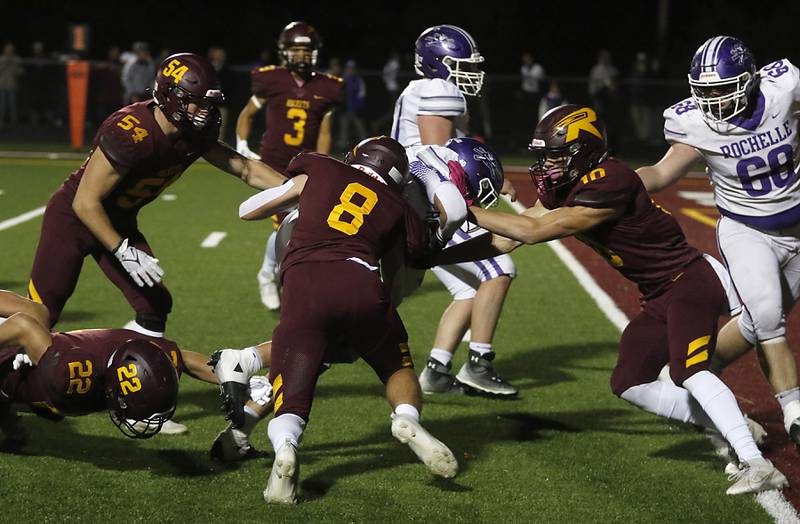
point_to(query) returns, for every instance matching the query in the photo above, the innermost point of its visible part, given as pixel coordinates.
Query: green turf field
(566, 451)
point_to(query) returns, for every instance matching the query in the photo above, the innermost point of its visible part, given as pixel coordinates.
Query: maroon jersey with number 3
(345, 213)
(646, 244)
(134, 144)
(293, 112)
(68, 379)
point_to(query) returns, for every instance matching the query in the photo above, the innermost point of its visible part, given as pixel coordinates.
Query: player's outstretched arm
(196, 366)
(324, 139)
(675, 164)
(11, 303)
(243, 126)
(254, 173)
(25, 331)
(273, 200)
(558, 223)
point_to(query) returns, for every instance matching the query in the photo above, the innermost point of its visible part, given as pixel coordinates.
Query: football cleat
(479, 374)
(437, 378)
(756, 476)
(233, 445)
(234, 373)
(268, 287)
(282, 483)
(431, 451)
(794, 431)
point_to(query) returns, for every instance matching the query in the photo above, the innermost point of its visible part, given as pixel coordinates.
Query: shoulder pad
(605, 187)
(265, 69)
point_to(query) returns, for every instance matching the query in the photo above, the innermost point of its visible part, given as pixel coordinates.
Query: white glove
(243, 149)
(21, 359)
(143, 268)
(260, 390)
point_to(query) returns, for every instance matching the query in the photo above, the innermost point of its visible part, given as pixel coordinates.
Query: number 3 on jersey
(347, 205)
(298, 117)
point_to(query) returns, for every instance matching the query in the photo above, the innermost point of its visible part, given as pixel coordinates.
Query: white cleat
(169, 427)
(268, 288)
(232, 445)
(756, 476)
(282, 483)
(431, 451)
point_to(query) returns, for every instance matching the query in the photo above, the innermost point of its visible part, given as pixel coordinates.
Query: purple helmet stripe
(715, 57)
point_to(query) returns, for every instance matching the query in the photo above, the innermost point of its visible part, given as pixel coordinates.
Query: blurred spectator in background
(532, 74)
(164, 53)
(264, 59)
(38, 91)
(553, 98)
(334, 67)
(105, 85)
(355, 96)
(603, 90)
(10, 71)
(138, 74)
(389, 75)
(219, 59)
(640, 111)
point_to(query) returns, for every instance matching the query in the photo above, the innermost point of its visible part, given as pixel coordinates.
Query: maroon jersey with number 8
(345, 213)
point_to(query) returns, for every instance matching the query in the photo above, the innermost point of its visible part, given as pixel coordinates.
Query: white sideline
(19, 219)
(773, 502)
(213, 239)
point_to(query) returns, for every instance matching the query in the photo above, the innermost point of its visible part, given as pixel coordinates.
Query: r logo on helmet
(582, 119)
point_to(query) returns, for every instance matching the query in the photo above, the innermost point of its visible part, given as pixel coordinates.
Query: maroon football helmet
(569, 141)
(299, 34)
(141, 387)
(383, 155)
(187, 78)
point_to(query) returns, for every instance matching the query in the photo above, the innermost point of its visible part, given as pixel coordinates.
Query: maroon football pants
(332, 312)
(678, 327)
(63, 244)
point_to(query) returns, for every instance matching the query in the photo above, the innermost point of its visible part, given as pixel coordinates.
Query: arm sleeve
(442, 98)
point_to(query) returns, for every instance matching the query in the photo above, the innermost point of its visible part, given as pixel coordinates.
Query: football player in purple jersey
(586, 193)
(137, 153)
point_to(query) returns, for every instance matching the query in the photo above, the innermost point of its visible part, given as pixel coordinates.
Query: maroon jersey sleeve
(262, 81)
(613, 185)
(417, 237)
(125, 138)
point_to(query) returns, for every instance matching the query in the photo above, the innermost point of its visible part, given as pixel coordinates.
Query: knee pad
(462, 284)
(765, 321)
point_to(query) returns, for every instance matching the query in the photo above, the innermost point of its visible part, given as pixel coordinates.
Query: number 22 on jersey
(357, 212)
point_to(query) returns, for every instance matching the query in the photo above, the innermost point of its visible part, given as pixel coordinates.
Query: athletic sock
(270, 256)
(720, 405)
(480, 347)
(441, 355)
(133, 325)
(667, 400)
(790, 405)
(407, 410)
(251, 418)
(286, 426)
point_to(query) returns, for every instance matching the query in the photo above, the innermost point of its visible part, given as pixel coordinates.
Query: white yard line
(19, 219)
(773, 502)
(213, 239)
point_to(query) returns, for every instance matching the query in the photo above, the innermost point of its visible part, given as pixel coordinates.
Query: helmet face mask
(298, 45)
(722, 78)
(569, 141)
(141, 388)
(188, 91)
(450, 53)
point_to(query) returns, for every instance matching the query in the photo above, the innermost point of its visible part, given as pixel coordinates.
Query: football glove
(243, 149)
(143, 268)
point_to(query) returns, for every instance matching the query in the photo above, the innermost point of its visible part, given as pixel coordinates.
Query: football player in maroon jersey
(586, 193)
(298, 103)
(138, 151)
(336, 308)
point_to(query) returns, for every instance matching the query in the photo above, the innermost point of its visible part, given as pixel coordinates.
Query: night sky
(564, 36)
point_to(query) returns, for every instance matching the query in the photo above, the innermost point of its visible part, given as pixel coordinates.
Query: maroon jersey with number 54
(293, 112)
(346, 213)
(646, 244)
(134, 144)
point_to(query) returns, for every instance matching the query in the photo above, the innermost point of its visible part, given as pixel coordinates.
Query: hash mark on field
(704, 198)
(19, 219)
(213, 239)
(169, 197)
